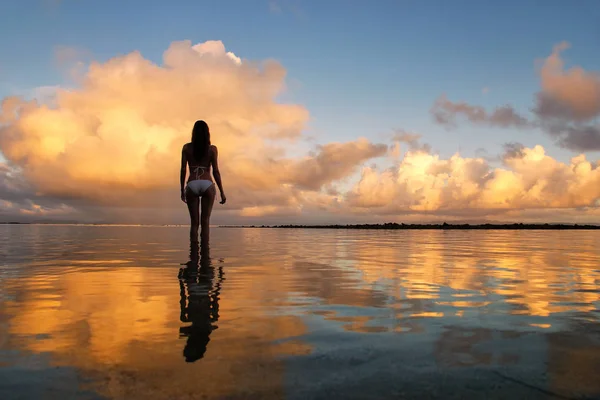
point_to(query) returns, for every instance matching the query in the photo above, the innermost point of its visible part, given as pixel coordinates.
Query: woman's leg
(193, 203)
(208, 199)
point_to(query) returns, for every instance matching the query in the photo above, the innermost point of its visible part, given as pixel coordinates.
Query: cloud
(12, 186)
(37, 210)
(138, 115)
(115, 140)
(565, 108)
(513, 150)
(332, 162)
(215, 48)
(445, 112)
(411, 139)
(20, 201)
(576, 136)
(424, 182)
(572, 94)
(510, 150)
(568, 103)
(109, 149)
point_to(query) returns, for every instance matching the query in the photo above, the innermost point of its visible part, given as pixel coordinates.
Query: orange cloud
(137, 115)
(572, 93)
(423, 182)
(117, 138)
(332, 162)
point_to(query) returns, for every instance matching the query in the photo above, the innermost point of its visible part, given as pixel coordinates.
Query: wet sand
(90, 312)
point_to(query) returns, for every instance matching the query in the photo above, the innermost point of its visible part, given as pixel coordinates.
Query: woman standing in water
(200, 190)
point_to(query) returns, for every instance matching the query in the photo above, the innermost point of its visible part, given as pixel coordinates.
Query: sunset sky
(323, 111)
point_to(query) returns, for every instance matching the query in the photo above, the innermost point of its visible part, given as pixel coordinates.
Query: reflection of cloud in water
(449, 302)
(465, 274)
(335, 286)
(99, 312)
(121, 325)
(516, 280)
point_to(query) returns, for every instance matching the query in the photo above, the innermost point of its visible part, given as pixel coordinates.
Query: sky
(323, 112)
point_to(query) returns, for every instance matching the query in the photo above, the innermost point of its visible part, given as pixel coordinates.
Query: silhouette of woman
(200, 155)
(200, 305)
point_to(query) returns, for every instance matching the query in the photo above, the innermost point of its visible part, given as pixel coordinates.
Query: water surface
(103, 312)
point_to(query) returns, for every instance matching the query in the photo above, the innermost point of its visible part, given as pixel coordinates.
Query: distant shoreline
(444, 226)
(384, 226)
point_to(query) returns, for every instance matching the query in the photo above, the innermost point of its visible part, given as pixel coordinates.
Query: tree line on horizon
(444, 225)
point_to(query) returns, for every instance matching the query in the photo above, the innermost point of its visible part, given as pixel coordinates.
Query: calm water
(101, 312)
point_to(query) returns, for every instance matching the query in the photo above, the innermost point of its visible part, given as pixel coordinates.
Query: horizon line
(381, 225)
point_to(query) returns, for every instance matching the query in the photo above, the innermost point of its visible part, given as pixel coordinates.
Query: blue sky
(361, 68)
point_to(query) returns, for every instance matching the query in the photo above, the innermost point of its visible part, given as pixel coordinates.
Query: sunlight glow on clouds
(425, 182)
(115, 141)
(572, 94)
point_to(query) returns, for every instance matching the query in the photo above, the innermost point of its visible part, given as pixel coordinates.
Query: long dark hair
(200, 139)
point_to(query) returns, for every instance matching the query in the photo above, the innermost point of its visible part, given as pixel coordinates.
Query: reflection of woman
(200, 306)
(200, 155)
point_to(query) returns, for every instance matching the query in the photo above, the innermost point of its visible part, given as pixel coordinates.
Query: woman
(200, 189)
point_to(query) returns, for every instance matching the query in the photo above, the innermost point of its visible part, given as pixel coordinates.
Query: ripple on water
(273, 311)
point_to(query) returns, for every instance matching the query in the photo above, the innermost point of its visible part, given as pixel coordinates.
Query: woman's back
(202, 161)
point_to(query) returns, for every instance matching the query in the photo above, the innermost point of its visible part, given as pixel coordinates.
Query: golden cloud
(117, 138)
(423, 182)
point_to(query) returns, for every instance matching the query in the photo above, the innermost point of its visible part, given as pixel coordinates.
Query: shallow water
(98, 312)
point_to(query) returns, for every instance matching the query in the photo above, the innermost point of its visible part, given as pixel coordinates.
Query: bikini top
(198, 168)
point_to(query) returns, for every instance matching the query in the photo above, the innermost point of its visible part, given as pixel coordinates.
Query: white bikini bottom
(199, 186)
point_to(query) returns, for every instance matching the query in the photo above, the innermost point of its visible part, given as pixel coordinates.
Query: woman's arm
(182, 173)
(217, 174)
